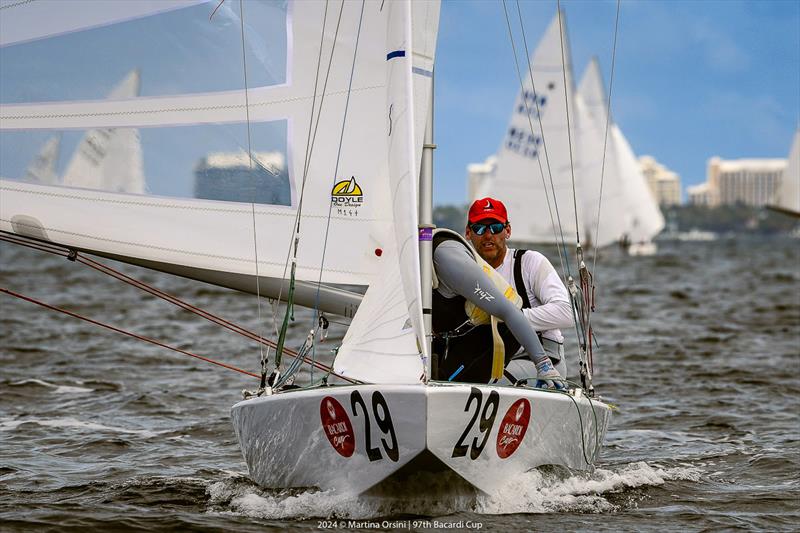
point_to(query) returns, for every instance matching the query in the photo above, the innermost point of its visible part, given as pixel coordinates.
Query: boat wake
(537, 491)
(57, 389)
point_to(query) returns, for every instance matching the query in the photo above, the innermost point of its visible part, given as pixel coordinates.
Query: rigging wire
(605, 138)
(295, 237)
(569, 128)
(122, 331)
(338, 156)
(564, 268)
(105, 269)
(264, 354)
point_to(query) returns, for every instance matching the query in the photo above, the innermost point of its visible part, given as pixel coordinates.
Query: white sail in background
(787, 197)
(629, 211)
(110, 159)
(213, 239)
(597, 160)
(645, 220)
(43, 168)
(518, 179)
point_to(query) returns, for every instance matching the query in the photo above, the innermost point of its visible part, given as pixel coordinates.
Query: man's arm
(554, 311)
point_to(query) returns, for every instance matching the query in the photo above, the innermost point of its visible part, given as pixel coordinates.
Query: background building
(664, 183)
(752, 182)
(698, 195)
(230, 177)
(478, 177)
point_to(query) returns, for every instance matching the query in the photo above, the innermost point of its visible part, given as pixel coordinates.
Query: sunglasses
(480, 229)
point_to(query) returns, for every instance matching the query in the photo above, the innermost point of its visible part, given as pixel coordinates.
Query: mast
(426, 227)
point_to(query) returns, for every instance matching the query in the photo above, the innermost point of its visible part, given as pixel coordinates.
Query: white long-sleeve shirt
(550, 308)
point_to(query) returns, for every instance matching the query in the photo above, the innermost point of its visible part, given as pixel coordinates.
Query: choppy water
(700, 350)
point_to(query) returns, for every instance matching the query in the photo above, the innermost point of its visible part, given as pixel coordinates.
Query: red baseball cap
(487, 208)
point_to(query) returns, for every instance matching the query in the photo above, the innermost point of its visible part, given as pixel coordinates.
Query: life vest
(475, 315)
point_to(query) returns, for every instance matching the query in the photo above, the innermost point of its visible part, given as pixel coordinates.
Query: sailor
(470, 343)
(546, 303)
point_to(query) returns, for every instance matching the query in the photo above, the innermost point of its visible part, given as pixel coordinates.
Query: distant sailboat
(43, 168)
(787, 197)
(110, 159)
(629, 214)
(538, 126)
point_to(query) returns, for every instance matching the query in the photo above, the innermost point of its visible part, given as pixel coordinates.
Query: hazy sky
(693, 79)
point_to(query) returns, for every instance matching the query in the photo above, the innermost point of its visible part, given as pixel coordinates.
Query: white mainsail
(213, 240)
(645, 220)
(518, 178)
(628, 208)
(597, 159)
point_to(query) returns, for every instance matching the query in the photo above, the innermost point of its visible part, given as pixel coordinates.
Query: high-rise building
(233, 178)
(664, 183)
(750, 182)
(479, 176)
(698, 194)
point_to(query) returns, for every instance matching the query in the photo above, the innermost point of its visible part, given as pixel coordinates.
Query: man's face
(490, 246)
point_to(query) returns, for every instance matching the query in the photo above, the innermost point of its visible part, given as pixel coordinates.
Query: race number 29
(384, 421)
(487, 416)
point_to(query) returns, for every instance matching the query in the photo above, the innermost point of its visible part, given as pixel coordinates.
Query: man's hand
(547, 377)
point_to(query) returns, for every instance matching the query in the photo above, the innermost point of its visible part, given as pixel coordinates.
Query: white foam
(534, 492)
(11, 424)
(57, 389)
(531, 492)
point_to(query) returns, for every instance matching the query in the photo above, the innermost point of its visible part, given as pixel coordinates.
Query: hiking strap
(518, 282)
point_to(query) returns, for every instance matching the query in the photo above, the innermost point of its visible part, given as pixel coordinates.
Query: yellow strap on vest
(498, 351)
(479, 317)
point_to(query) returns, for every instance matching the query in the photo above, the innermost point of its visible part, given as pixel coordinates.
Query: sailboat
(629, 212)
(787, 195)
(533, 168)
(356, 139)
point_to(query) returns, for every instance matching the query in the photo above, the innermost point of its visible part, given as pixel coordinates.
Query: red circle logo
(337, 427)
(513, 428)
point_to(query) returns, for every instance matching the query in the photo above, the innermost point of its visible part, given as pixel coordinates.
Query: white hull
(485, 434)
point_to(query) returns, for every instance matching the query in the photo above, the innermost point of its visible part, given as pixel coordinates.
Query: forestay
(205, 210)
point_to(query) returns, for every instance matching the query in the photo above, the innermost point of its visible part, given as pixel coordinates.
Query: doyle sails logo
(347, 197)
(337, 426)
(513, 428)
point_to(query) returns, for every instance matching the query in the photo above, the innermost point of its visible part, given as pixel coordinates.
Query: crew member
(546, 303)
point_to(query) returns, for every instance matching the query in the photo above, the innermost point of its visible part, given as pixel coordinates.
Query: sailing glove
(547, 377)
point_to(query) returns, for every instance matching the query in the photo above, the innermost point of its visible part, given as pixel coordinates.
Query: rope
(336, 167)
(105, 269)
(310, 142)
(128, 333)
(255, 187)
